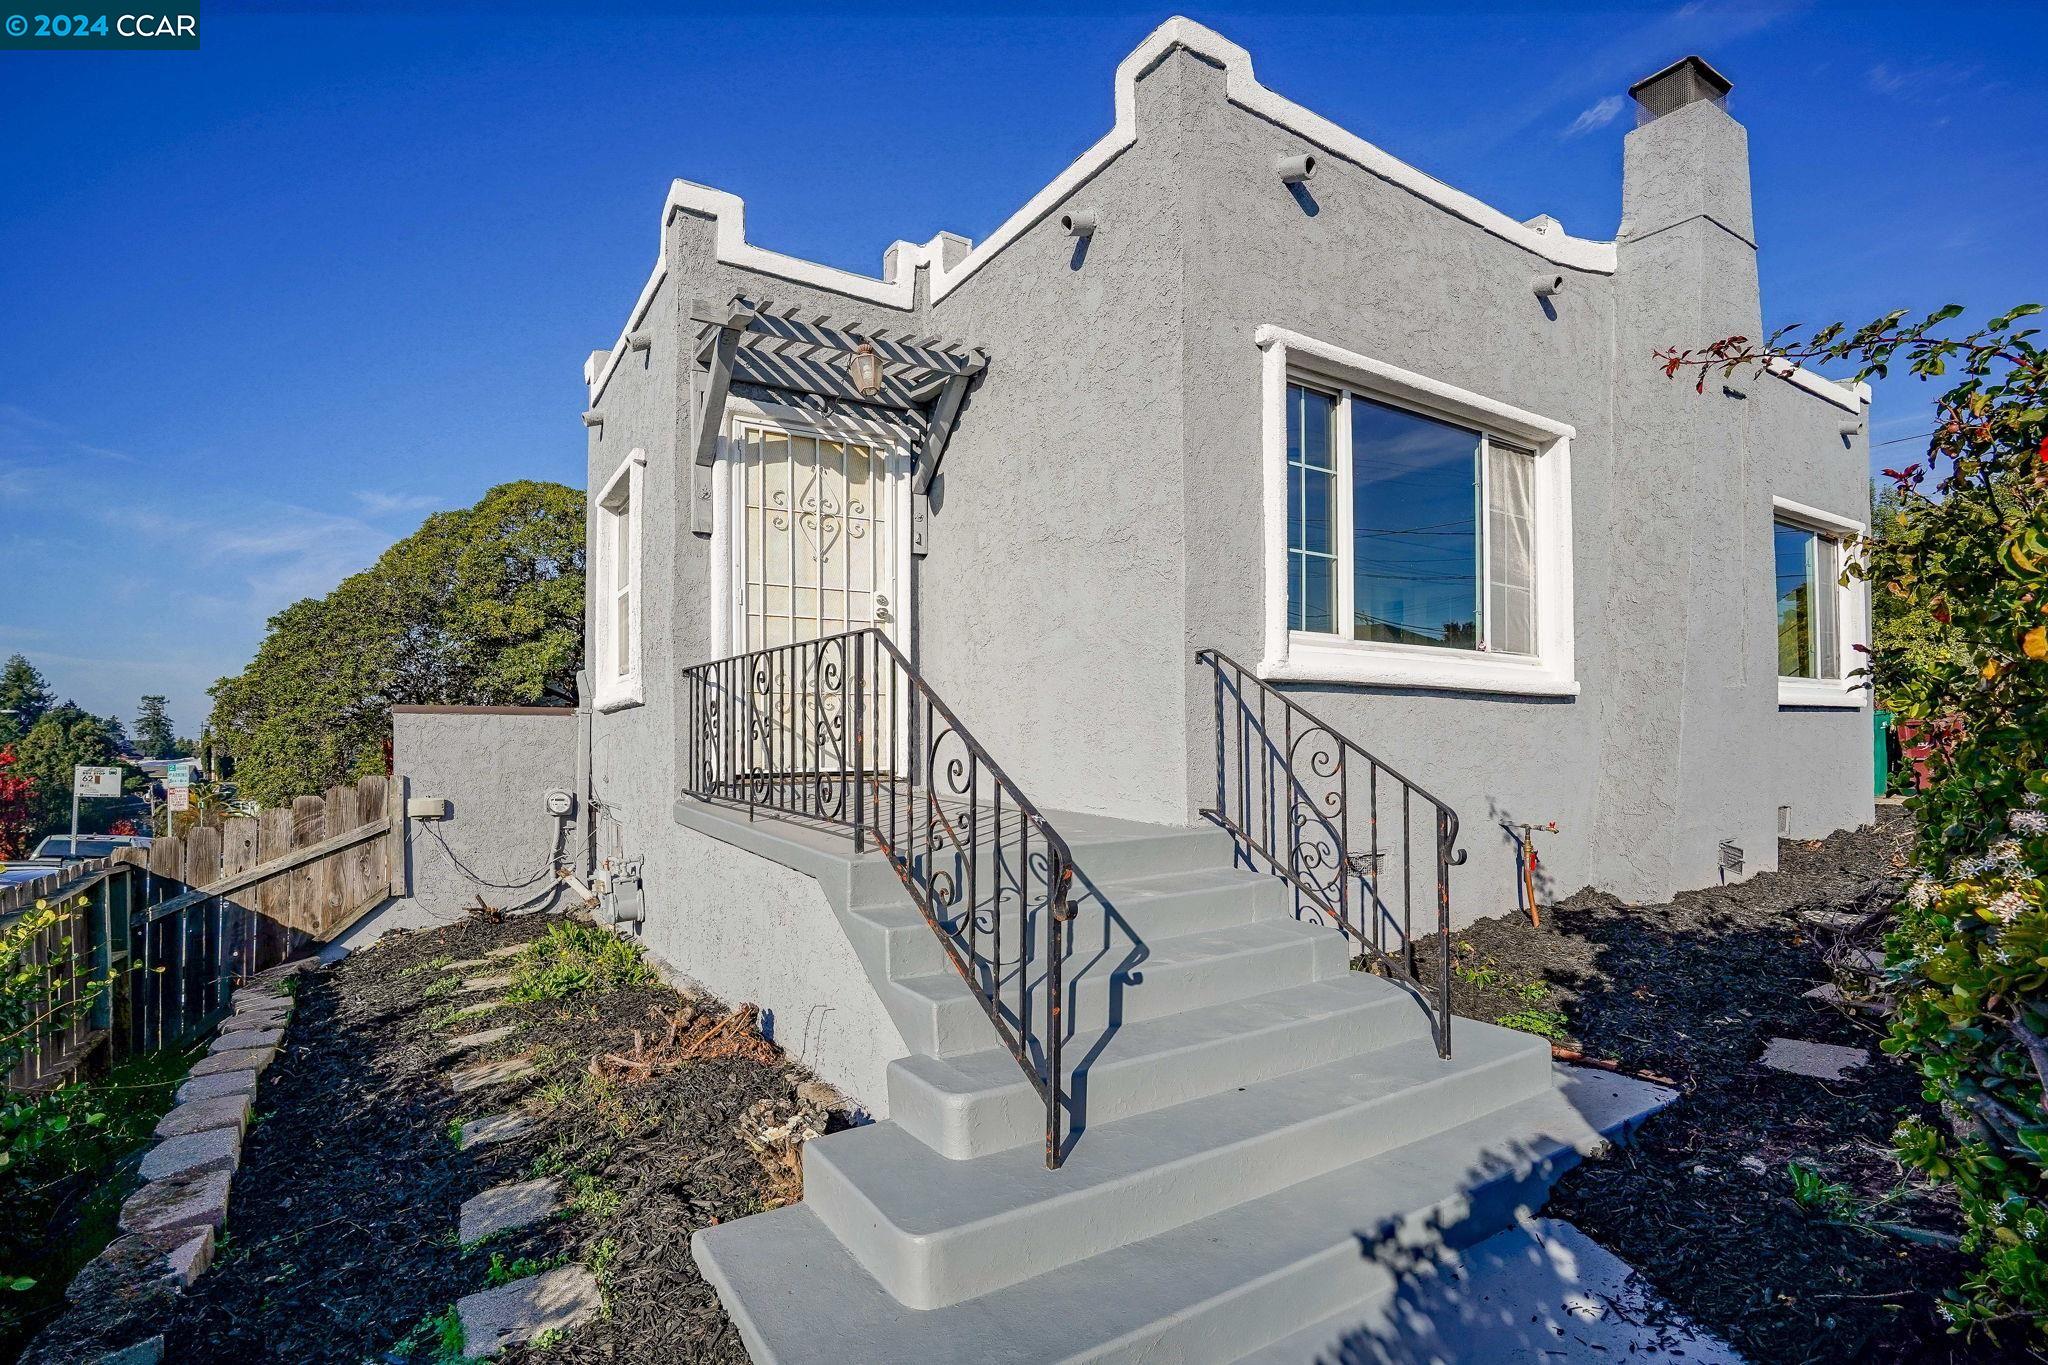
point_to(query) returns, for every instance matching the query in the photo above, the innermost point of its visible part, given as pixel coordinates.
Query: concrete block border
(120, 1300)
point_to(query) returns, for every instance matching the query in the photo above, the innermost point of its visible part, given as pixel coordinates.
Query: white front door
(817, 551)
(816, 515)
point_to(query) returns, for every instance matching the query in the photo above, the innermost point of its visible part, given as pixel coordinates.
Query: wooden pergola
(753, 341)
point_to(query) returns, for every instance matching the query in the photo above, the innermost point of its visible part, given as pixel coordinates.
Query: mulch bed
(341, 1231)
(1701, 1202)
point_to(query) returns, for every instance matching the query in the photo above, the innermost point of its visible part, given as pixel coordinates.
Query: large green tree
(61, 739)
(24, 696)
(482, 606)
(154, 735)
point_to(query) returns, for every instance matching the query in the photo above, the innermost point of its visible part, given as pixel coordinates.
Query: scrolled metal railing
(1304, 799)
(842, 732)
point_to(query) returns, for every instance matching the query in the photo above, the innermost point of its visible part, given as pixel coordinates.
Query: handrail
(844, 732)
(1286, 787)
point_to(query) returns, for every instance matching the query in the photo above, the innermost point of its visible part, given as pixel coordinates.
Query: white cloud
(376, 503)
(1598, 115)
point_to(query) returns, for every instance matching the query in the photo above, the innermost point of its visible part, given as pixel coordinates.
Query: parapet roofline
(898, 289)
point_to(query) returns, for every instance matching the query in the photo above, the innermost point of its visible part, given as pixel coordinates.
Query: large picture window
(1405, 529)
(1419, 535)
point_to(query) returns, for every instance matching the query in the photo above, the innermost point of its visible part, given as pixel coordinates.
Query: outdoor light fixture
(1079, 223)
(1295, 170)
(866, 368)
(1547, 286)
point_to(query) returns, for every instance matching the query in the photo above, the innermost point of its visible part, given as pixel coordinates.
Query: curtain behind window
(1511, 546)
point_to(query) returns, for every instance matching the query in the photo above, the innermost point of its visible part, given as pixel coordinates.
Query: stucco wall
(494, 768)
(1050, 607)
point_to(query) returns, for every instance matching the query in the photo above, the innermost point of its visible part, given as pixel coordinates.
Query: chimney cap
(1688, 80)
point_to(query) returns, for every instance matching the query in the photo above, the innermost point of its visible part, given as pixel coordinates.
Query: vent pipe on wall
(1547, 285)
(1078, 223)
(1296, 169)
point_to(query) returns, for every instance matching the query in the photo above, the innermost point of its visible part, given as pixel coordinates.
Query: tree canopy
(481, 607)
(154, 736)
(24, 696)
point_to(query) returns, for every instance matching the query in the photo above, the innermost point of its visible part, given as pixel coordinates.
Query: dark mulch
(341, 1232)
(1701, 1202)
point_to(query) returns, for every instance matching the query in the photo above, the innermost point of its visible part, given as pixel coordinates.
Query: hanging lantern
(866, 368)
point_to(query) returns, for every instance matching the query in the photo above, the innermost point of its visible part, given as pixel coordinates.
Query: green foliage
(438, 1335)
(1963, 538)
(575, 956)
(1544, 1023)
(38, 951)
(24, 696)
(592, 1198)
(56, 1208)
(62, 738)
(155, 737)
(482, 606)
(503, 1272)
(1819, 1196)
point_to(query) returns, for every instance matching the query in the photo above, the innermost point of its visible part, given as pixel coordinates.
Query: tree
(65, 737)
(482, 606)
(24, 696)
(17, 806)
(1904, 630)
(1966, 535)
(154, 735)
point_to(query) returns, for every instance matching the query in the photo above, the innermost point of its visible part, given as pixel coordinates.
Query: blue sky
(265, 305)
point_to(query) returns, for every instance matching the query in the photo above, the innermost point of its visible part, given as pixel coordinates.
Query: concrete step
(1104, 849)
(971, 1105)
(1135, 909)
(1211, 1290)
(935, 1232)
(1540, 1292)
(1183, 972)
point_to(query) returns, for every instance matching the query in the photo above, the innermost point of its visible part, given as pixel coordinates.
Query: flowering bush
(1967, 543)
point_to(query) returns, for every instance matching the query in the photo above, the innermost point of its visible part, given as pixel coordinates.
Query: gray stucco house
(1240, 542)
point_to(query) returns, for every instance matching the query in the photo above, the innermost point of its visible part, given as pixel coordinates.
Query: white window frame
(1302, 656)
(616, 690)
(1852, 615)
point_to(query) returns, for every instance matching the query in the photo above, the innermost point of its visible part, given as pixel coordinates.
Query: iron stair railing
(1305, 800)
(843, 733)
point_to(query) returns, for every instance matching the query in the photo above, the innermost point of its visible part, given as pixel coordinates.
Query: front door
(817, 554)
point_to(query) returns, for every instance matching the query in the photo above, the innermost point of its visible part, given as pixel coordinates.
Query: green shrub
(1968, 956)
(573, 956)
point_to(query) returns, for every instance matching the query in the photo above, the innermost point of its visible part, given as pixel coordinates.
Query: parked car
(59, 846)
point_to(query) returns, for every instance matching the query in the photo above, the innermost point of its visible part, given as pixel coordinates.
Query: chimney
(1689, 80)
(1686, 159)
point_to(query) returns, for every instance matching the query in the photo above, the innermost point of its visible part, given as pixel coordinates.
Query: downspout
(586, 822)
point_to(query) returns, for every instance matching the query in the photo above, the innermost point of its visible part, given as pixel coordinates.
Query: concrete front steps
(1254, 1127)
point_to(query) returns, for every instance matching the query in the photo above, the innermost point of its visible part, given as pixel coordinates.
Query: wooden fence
(144, 948)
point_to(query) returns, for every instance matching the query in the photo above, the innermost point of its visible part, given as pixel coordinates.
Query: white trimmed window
(1818, 617)
(616, 518)
(1420, 535)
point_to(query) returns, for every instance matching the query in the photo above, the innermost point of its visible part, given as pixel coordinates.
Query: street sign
(90, 782)
(180, 773)
(178, 798)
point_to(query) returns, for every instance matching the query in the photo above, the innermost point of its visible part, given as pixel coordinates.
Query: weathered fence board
(147, 944)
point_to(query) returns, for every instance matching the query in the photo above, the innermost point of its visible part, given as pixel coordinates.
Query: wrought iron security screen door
(818, 531)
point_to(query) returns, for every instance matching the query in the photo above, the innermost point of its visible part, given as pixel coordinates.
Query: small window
(1405, 529)
(615, 529)
(1808, 602)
